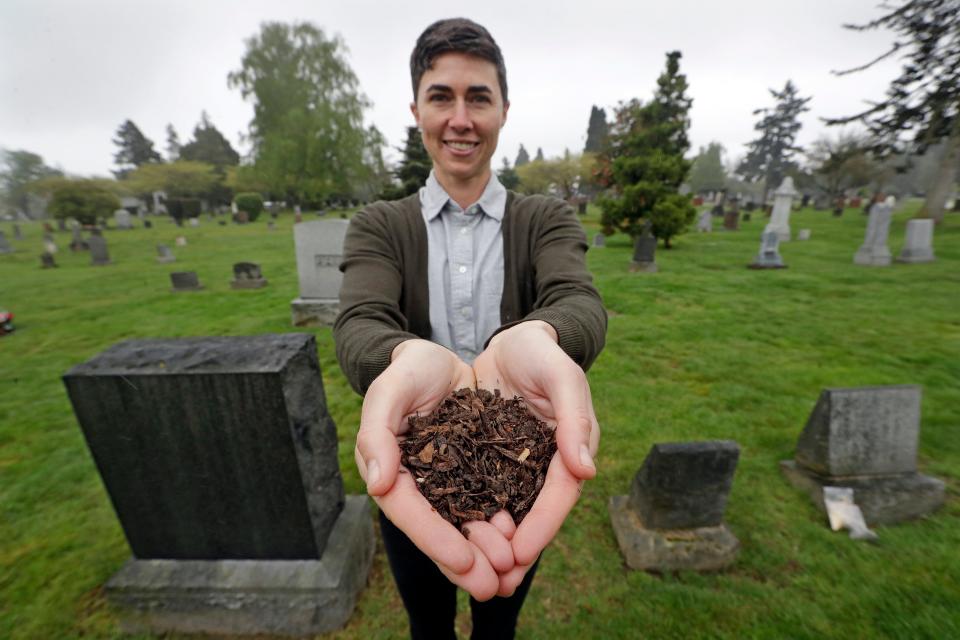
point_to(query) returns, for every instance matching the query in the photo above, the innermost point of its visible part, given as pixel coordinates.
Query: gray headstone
(98, 250)
(247, 275)
(599, 240)
(685, 485)
(77, 243)
(194, 222)
(220, 459)
(803, 234)
(769, 255)
(122, 218)
(17, 233)
(164, 254)
(782, 205)
(866, 439)
(180, 241)
(705, 221)
(185, 281)
(5, 244)
(61, 224)
(644, 252)
(47, 261)
(918, 246)
(319, 249)
(147, 224)
(874, 251)
(49, 244)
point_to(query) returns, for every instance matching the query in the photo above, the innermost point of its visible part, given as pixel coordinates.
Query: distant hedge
(86, 201)
(251, 203)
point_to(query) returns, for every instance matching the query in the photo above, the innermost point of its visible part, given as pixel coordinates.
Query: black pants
(431, 599)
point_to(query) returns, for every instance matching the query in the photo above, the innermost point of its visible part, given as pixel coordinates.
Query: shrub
(250, 202)
(84, 200)
(180, 208)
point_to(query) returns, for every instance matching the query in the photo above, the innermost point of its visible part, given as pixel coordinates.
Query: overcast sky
(72, 71)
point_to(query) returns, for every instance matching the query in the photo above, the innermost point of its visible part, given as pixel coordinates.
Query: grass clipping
(478, 453)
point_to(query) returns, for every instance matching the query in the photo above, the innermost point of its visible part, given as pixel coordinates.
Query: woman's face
(460, 111)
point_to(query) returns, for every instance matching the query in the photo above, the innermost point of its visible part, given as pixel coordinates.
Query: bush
(251, 203)
(180, 208)
(84, 200)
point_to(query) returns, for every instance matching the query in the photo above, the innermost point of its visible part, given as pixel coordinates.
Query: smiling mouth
(461, 146)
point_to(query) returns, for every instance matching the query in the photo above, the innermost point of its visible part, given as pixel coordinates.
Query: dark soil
(478, 453)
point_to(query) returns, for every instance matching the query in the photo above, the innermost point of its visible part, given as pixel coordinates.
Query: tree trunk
(943, 183)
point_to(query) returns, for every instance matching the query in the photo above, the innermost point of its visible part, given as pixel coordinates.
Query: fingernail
(585, 458)
(373, 472)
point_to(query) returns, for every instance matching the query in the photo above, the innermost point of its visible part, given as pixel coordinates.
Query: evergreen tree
(707, 173)
(135, 150)
(414, 168)
(18, 171)
(522, 158)
(596, 130)
(539, 157)
(770, 157)
(173, 144)
(644, 161)
(209, 145)
(922, 105)
(508, 177)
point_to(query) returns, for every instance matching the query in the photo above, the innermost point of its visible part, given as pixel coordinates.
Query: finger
(560, 492)
(503, 521)
(577, 428)
(480, 581)
(437, 538)
(492, 543)
(378, 458)
(510, 580)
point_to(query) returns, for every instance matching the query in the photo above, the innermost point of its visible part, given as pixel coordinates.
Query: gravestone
(297, 218)
(769, 256)
(874, 251)
(99, 255)
(918, 246)
(866, 439)
(194, 222)
(164, 254)
(673, 518)
(17, 233)
(147, 224)
(582, 207)
(5, 244)
(599, 240)
(180, 241)
(782, 204)
(705, 221)
(222, 223)
(185, 281)
(271, 225)
(746, 217)
(49, 245)
(731, 220)
(122, 218)
(77, 243)
(247, 275)
(241, 217)
(47, 261)
(644, 251)
(319, 249)
(803, 234)
(233, 208)
(61, 224)
(220, 460)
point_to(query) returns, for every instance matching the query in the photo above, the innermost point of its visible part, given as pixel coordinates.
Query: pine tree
(135, 149)
(770, 157)
(539, 156)
(209, 145)
(413, 170)
(173, 144)
(707, 173)
(522, 158)
(507, 176)
(644, 162)
(596, 130)
(922, 105)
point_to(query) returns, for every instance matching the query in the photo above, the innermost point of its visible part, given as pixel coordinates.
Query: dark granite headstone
(185, 281)
(5, 244)
(247, 275)
(98, 249)
(866, 439)
(644, 250)
(220, 459)
(673, 518)
(731, 220)
(61, 224)
(47, 261)
(222, 223)
(582, 207)
(147, 224)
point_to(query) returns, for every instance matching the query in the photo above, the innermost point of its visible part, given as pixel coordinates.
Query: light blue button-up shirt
(465, 266)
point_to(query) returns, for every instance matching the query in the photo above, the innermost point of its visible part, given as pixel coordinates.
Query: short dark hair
(457, 35)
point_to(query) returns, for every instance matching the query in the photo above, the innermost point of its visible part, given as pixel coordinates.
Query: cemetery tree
(771, 156)
(180, 180)
(922, 105)
(135, 149)
(539, 155)
(173, 144)
(309, 140)
(209, 146)
(597, 130)
(643, 162)
(522, 158)
(84, 200)
(841, 163)
(508, 176)
(414, 168)
(707, 172)
(557, 175)
(19, 171)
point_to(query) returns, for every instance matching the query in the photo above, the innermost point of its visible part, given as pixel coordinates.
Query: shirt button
(462, 269)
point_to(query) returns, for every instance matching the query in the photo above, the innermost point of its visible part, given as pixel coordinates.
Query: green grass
(703, 349)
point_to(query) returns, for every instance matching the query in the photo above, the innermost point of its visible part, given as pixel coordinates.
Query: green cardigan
(384, 298)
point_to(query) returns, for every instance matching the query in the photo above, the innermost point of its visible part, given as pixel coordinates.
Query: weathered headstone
(122, 218)
(77, 243)
(874, 251)
(599, 240)
(164, 254)
(61, 224)
(99, 255)
(866, 439)
(185, 281)
(297, 218)
(194, 222)
(220, 459)
(241, 217)
(49, 244)
(180, 241)
(247, 275)
(705, 221)
(769, 256)
(233, 208)
(782, 204)
(5, 244)
(222, 223)
(582, 207)
(673, 518)
(271, 225)
(147, 224)
(17, 233)
(731, 220)
(644, 251)
(319, 248)
(803, 234)
(918, 246)
(47, 261)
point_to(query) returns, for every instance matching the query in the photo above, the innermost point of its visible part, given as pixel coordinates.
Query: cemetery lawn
(704, 349)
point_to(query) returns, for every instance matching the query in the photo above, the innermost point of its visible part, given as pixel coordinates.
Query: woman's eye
(438, 97)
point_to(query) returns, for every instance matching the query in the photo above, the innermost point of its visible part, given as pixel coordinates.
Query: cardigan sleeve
(370, 323)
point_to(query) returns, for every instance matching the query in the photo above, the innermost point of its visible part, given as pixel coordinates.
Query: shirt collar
(433, 198)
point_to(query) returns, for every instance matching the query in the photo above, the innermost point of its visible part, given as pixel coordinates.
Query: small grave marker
(247, 275)
(185, 281)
